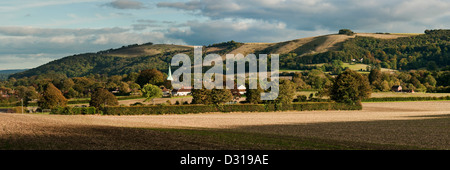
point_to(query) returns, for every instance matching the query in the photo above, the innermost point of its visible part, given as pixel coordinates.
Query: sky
(35, 32)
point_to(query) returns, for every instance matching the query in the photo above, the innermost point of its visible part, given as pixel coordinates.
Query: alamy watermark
(213, 78)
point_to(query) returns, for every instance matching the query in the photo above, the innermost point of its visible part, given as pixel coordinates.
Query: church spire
(169, 77)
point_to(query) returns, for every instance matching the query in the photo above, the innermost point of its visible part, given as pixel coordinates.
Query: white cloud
(51, 32)
(245, 30)
(199, 22)
(310, 15)
(23, 45)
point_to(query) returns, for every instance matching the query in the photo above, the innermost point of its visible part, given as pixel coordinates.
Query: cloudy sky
(34, 32)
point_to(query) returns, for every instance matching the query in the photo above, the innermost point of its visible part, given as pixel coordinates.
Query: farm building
(397, 88)
(182, 91)
(6, 93)
(239, 90)
(166, 92)
(242, 89)
(400, 89)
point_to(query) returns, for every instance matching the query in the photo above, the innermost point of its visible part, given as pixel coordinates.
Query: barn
(397, 88)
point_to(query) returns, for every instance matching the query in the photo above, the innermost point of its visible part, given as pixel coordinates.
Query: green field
(417, 94)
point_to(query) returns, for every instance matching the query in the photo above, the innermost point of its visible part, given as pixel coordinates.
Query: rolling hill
(392, 51)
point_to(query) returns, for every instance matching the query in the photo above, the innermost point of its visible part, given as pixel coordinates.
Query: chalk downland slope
(133, 58)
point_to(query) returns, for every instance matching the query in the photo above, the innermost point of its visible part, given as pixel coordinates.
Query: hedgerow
(75, 111)
(185, 109)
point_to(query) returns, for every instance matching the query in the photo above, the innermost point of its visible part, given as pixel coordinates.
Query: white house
(242, 90)
(181, 92)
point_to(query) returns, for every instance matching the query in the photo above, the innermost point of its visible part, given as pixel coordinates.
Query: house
(408, 91)
(396, 88)
(166, 92)
(181, 92)
(3, 94)
(285, 77)
(238, 91)
(115, 91)
(241, 89)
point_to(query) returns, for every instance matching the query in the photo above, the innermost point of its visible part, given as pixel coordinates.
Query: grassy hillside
(391, 51)
(112, 62)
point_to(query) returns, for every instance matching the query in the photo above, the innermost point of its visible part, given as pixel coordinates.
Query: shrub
(301, 98)
(19, 109)
(346, 32)
(137, 104)
(74, 111)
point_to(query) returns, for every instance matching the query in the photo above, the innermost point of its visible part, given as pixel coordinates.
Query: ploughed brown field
(383, 125)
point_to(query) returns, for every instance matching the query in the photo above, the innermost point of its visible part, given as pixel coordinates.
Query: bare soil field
(396, 125)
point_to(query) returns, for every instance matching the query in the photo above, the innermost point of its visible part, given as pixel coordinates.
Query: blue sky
(34, 32)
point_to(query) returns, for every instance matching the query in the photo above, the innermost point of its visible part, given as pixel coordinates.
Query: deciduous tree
(220, 96)
(150, 91)
(26, 94)
(150, 76)
(350, 87)
(201, 96)
(286, 92)
(254, 95)
(102, 97)
(51, 98)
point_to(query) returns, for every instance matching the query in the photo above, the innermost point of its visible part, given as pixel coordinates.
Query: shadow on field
(431, 132)
(104, 138)
(379, 135)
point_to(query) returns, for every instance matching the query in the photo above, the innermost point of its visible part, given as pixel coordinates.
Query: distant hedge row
(184, 109)
(393, 99)
(75, 111)
(81, 101)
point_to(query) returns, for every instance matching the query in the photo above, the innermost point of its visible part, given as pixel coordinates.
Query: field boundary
(394, 99)
(186, 109)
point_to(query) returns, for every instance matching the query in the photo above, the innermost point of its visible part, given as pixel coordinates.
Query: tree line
(31, 89)
(62, 88)
(429, 51)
